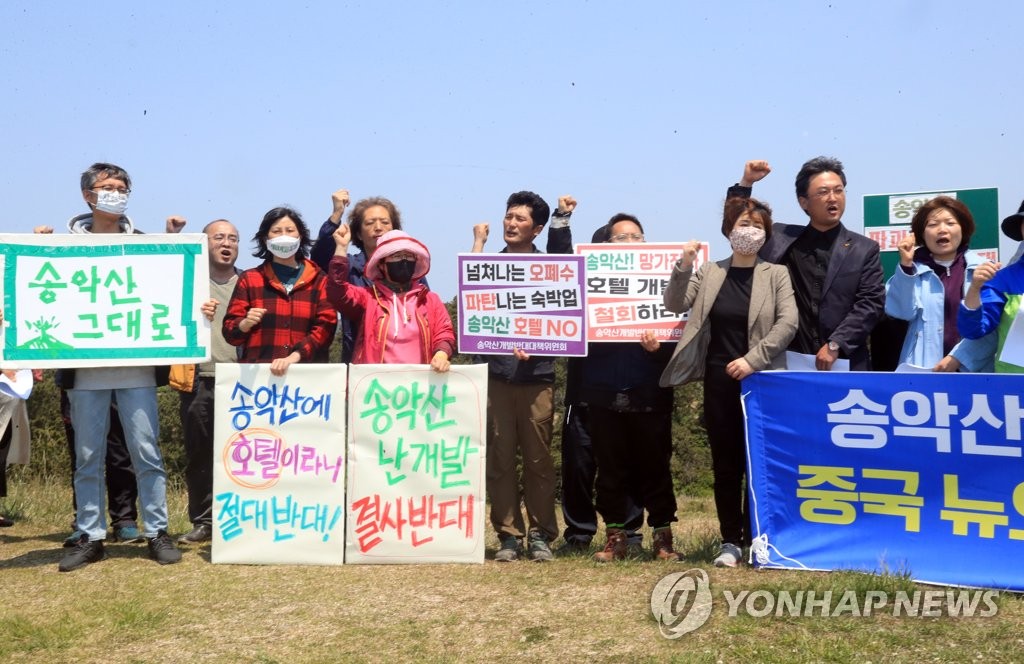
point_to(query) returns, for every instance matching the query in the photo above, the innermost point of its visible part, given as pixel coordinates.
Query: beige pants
(520, 423)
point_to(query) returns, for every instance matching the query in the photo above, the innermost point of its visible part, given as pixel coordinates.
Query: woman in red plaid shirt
(279, 312)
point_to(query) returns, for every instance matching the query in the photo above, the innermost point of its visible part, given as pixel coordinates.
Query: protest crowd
(815, 289)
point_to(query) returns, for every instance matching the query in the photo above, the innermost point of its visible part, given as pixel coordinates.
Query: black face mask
(400, 272)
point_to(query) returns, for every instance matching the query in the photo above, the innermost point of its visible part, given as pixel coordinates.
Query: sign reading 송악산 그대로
(103, 300)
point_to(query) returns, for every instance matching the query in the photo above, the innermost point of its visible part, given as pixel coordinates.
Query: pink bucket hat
(391, 243)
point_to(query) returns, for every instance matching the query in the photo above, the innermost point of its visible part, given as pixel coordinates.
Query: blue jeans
(90, 416)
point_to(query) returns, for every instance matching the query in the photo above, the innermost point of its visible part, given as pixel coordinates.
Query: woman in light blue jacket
(930, 283)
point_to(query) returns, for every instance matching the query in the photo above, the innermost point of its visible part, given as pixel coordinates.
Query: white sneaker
(728, 556)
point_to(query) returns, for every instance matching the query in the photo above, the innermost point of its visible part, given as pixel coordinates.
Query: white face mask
(283, 246)
(111, 202)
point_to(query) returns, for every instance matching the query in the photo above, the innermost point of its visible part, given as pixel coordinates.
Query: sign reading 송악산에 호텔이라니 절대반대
(99, 300)
(279, 464)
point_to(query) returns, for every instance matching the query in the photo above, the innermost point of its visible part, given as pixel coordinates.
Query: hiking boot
(128, 533)
(200, 533)
(511, 549)
(728, 556)
(539, 551)
(82, 553)
(614, 548)
(162, 549)
(662, 547)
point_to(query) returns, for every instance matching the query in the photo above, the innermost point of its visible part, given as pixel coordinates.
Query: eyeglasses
(825, 191)
(623, 237)
(111, 188)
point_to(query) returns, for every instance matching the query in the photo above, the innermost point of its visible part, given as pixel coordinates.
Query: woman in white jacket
(933, 275)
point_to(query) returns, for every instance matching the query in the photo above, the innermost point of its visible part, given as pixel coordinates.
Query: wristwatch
(833, 346)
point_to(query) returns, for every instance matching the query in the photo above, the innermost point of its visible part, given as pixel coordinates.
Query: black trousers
(723, 416)
(5, 449)
(197, 423)
(633, 452)
(122, 489)
(579, 470)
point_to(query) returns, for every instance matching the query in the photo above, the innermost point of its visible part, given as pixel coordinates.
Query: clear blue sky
(229, 109)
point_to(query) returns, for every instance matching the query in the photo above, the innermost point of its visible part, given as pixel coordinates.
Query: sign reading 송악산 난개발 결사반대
(101, 300)
(417, 452)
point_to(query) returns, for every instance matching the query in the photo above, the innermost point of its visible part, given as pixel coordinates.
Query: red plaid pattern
(302, 321)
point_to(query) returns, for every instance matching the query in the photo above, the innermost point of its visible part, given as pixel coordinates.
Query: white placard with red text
(416, 463)
(625, 286)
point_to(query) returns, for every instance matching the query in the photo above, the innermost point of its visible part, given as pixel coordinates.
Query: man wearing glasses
(90, 391)
(836, 273)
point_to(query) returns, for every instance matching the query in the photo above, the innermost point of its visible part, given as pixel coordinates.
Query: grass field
(129, 609)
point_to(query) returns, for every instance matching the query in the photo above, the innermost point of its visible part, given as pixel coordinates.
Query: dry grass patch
(129, 609)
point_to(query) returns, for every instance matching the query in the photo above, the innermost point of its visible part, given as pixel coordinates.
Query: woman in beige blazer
(725, 340)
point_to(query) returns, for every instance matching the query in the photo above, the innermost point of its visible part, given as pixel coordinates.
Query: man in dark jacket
(836, 273)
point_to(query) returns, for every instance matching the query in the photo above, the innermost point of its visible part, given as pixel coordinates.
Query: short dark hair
(956, 208)
(358, 215)
(102, 169)
(539, 210)
(814, 167)
(271, 218)
(606, 230)
(736, 206)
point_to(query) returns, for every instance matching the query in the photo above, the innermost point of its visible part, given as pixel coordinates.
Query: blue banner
(918, 474)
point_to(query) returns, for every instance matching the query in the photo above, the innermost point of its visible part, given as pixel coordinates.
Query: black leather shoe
(199, 533)
(5, 522)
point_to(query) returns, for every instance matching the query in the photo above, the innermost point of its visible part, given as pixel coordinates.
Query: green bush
(691, 462)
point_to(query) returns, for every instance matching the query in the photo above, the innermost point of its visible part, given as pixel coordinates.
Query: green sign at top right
(887, 219)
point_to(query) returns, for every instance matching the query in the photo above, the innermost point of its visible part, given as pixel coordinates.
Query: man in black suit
(836, 273)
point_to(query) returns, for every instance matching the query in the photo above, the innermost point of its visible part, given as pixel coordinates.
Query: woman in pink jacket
(403, 321)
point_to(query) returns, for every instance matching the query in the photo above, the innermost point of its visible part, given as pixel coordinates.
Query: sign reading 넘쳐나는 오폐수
(101, 300)
(913, 473)
(279, 464)
(533, 302)
(625, 289)
(416, 462)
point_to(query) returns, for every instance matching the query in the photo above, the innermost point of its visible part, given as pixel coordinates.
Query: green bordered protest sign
(887, 219)
(103, 300)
